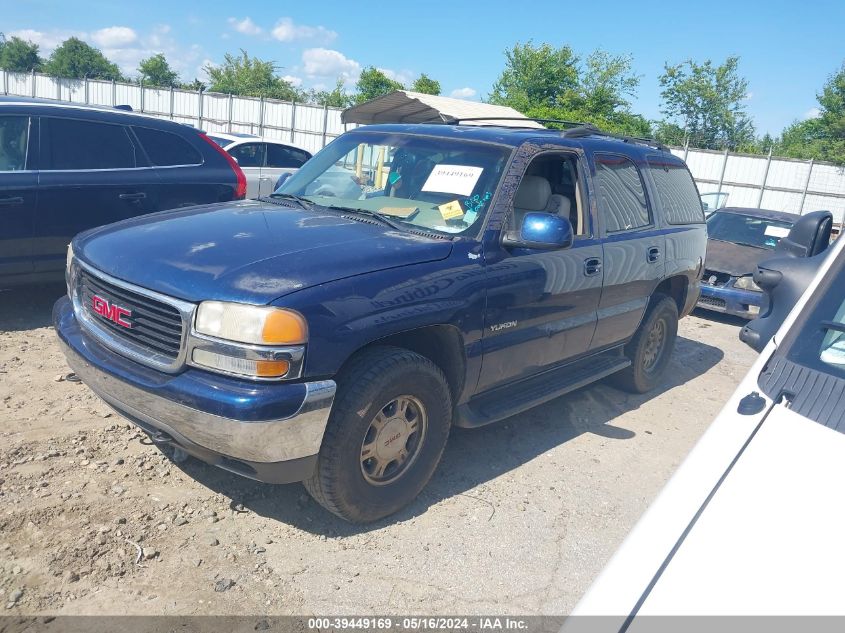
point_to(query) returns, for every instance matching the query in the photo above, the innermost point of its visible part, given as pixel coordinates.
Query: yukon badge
(112, 312)
(502, 326)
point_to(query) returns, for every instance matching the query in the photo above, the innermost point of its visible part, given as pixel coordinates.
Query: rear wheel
(386, 434)
(651, 348)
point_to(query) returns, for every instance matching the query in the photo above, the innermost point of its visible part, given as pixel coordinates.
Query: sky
(787, 49)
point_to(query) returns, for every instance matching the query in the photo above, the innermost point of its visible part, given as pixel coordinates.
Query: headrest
(533, 193)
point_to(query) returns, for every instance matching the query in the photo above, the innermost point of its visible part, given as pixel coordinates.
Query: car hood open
(251, 252)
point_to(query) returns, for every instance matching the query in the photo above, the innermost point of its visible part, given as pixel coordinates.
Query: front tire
(651, 348)
(386, 434)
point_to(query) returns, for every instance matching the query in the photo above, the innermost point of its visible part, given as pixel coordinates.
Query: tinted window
(676, 189)
(164, 148)
(282, 156)
(621, 194)
(14, 136)
(249, 154)
(75, 144)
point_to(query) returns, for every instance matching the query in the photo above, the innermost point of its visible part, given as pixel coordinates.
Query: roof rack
(575, 129)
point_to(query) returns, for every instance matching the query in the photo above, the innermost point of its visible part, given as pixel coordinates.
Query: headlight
(258, 325)
(258, 342)
(747, 283)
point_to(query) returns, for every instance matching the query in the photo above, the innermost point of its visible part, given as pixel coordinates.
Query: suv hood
(250, 252)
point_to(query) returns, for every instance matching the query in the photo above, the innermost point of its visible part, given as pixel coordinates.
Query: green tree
(19, 56)
(426, 85)
(196, 84)
(821, 138)
(250, 76)
(336, 98)
(374, 83)
(156, 71)
(77, 60)
(606, 82)
(536, 76)
(708, 103)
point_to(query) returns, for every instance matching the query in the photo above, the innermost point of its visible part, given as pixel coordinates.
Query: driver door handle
(140, 195)
(653, 254)
(592, 266)
(11, 201)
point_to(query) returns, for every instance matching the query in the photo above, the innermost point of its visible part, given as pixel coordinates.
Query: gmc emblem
(111, 311)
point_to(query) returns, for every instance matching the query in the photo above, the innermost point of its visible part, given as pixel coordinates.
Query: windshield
(747, 230)
(430, 183)
(222, 142)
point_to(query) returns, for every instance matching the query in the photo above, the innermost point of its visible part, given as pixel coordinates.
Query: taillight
(240, 188)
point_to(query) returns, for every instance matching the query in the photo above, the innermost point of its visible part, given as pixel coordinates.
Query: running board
(503, 402)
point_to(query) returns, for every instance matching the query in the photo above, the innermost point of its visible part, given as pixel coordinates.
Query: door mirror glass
(541, 230)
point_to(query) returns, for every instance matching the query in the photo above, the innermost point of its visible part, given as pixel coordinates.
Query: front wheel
(387, 430)
(651, 348)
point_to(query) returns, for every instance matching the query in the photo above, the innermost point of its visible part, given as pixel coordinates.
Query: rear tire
(651, 348)
(385, 436)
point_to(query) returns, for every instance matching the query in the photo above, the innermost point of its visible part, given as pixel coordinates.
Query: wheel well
(441, 344)
(676, 288)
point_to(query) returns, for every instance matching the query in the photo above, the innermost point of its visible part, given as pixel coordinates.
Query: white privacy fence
(780, 184)
(307, 126)
(769, 182)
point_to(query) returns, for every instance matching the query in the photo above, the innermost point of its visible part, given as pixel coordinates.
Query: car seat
(535, 195)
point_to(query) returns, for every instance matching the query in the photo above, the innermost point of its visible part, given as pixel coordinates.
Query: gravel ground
(518, 519)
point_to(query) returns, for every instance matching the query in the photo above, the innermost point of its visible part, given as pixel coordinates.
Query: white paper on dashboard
(777, 231)
(457, 179)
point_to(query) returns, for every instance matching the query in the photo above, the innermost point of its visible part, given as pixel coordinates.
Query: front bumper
(741, 303)
(266, 431)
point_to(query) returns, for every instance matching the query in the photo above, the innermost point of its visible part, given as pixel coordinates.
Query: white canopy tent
(403, 106)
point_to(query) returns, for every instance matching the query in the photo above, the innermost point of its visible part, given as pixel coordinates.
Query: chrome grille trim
(145, 355)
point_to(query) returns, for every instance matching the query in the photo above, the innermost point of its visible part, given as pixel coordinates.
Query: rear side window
(73, 144)
(621, 194)
(14, 138)
(290, 157)
(676, 190)
(249, 154)
(165, 148)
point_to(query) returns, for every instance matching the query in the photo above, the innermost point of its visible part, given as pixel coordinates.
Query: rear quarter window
(281, 156)
(167, 149)
(676, 190)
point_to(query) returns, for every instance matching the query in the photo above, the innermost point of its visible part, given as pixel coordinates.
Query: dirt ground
(519, 518)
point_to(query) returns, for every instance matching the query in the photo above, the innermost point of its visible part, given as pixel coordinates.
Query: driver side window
(551, 184)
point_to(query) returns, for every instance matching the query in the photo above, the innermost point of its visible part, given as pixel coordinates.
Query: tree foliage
(545, 82)
(707, 102)
(19, 56)
(156, 71)
(336, 98)
(77, 60)
(426, 85)
(250, 76)
(373, 83)
(823, 137)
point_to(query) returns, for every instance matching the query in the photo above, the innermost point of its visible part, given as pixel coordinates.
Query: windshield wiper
(305, 203)
(381, 217)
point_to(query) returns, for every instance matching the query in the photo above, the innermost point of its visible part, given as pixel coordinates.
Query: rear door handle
(140, 195)
(653, 254)
(11, 201)
(592, 266)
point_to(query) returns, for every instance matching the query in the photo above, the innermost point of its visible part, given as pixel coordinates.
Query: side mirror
(540, 230)
(809, 236)
(785, 276)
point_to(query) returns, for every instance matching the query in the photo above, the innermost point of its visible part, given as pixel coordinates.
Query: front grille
(153, 324)
(712, 301)
(715, 278)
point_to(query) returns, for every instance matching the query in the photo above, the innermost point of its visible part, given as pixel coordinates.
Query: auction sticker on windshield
(457, 179)
(777, 231)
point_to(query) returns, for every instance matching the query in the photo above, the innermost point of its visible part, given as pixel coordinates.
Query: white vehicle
(750, 523)
(263, 160)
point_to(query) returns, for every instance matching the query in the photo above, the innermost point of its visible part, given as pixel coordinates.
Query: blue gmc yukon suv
(408, 278)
